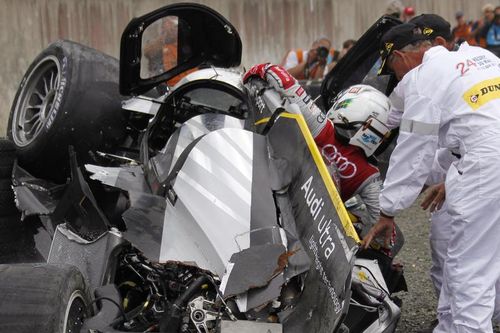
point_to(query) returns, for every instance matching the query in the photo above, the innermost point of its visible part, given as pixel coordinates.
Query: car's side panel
(215, 187)
(321, 222)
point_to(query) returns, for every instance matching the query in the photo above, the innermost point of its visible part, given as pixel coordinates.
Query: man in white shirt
(438, 32)
(451, 100)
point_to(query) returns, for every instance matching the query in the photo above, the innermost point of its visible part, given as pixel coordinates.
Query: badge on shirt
(482, 93)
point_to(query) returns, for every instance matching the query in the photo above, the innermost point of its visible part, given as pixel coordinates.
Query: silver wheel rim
(36, 101)
(75, 312)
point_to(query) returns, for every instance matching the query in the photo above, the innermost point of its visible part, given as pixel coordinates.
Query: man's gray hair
(414, 47)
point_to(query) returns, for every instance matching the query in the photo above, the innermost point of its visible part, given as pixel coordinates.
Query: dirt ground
(420, 302)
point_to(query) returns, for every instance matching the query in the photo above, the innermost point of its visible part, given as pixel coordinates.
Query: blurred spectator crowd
(321, 57)
(315, 63)
(484, 31)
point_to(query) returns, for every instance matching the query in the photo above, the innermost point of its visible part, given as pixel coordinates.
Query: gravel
(420, 302)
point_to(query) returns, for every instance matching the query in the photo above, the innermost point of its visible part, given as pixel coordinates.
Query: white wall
(267, 27)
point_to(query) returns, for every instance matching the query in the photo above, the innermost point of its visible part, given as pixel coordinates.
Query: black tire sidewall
(35, 296)
(38, 147)
(74, 283)
(86, 114)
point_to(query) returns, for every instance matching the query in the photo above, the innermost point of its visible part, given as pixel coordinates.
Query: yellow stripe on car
(262, 121)
(325, 175)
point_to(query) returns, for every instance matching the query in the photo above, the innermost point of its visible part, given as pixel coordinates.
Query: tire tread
(35, 295)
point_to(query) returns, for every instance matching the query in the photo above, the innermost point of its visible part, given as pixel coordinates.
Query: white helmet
(360, 115)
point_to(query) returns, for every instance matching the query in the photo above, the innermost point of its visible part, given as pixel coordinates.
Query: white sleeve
(291, 60)
(397, 104)
(315, 119)
(394, 118)
(412, 159)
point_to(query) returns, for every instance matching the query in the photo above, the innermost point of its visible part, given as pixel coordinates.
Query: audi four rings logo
(346, 168)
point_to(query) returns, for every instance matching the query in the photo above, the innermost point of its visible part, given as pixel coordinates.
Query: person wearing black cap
(395, 44)
(436, 29)
(451, 100)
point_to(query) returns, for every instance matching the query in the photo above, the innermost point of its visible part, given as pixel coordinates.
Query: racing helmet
(359, 114)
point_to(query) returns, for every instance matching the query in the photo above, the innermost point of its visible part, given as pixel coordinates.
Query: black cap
(395, 39)
(432, 26)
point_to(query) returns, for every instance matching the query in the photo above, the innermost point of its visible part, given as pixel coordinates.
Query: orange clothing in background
(463, 32)
(170, 61)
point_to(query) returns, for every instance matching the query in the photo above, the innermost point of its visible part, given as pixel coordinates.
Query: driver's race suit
(452, 101)
(357, 175)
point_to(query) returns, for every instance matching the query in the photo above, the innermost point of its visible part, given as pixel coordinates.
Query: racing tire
(68, 96)
(7, 203)
(7, 158)
(42, 298)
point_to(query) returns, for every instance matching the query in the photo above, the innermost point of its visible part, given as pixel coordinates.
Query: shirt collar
(464, 45)
(428, 55)
(434, 52)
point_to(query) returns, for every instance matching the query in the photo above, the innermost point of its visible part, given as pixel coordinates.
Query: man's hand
(277, 77)
(434, 197)
(384, 227)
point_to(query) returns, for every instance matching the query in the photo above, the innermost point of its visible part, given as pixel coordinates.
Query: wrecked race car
(192, 212)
